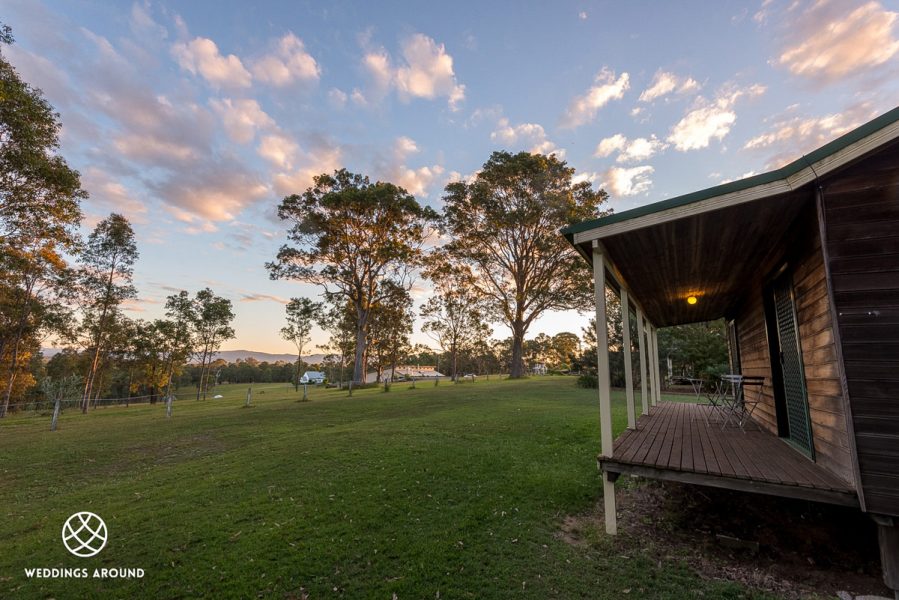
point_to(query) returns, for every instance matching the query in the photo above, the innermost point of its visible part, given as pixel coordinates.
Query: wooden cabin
(803, 265)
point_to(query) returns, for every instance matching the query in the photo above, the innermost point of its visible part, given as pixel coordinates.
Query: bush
(588, 380)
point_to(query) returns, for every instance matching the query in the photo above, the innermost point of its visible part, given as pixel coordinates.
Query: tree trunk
(516, 369)
(359, 364)
(55, 412)
(89, 380)
(14, 360)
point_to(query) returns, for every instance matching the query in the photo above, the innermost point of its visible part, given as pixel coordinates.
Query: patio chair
(736, 404)
(713, 392)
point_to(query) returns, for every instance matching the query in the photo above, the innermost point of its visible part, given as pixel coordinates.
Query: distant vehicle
(313, 377)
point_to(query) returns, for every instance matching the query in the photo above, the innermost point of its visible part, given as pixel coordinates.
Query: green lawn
(454, 491)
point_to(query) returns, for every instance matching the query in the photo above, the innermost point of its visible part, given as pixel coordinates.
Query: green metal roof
(794, 167)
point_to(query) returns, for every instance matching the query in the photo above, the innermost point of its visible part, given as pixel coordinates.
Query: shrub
(588, 380)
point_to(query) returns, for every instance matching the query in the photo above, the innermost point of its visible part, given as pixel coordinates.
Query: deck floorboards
(689, 440)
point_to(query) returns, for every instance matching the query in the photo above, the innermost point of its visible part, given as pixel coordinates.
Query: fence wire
(40, 407)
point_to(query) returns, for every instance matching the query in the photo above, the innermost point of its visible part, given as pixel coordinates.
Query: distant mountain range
(235, 355)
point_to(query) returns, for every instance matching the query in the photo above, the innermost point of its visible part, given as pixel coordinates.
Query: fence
(45, 407)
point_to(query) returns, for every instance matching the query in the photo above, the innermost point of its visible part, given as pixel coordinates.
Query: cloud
(607, 87)
(217, 190)
(620, 181)
(708, 120)
(201, 56)
(428, 72)
(834, 45)
(425, 71)
(635, 150)
(262, 298)
(320, 157)
(791, 137)
(337, 97)
(279, 150)
(665, 83)
(241, 118)
(289, 63)
(737, 178)
(392, 167)
(109, 195)
(530, 135)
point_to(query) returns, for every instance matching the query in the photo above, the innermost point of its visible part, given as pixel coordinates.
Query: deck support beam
(651, 365)
(888, 537)
(656, 372)
(641, 343)
(604, 384)
(628, 367)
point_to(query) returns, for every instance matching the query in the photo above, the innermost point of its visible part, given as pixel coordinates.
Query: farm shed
(803, 264)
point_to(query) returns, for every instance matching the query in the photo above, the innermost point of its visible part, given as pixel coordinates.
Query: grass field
(454, 491)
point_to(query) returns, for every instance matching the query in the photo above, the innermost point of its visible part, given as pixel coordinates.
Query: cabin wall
(801, 250)
(862, 232)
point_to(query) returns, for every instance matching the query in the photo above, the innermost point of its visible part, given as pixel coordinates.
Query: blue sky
(194, 119)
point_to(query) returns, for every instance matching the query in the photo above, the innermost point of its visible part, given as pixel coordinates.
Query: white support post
(628, 367)
(651, 365)
(604, 385)
(641, 342)
(657, 371)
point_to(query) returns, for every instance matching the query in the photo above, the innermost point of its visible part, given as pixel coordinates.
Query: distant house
(539, 369)
(418, 371)
(803, 264)
(313, 377)
(405, 372)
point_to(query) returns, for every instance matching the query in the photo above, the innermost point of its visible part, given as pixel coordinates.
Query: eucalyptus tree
(351, 237)
(454, 315)
(391, 325)
(339, 320)
(302, 314)
(107, 269)
(212, 317)
(504, 227)
(40, 198)
(182, 314)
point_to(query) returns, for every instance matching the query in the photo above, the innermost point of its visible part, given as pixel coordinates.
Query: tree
(454, 315)
(504, 227)
(301, 314)
(212, 316)
(390, 327)
(352, 236)
(565, 347)
(340, 321)
(107, 268)
(39, 215)
(182, 314)
(696, 349)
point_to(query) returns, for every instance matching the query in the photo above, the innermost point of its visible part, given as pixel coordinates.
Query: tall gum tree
(40, 212)
(351, 237)
(454, 314)
(107, 270)
(504, 227)
(302, 314)
(212, 317)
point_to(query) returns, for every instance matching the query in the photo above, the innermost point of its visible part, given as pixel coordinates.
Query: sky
(195, 119)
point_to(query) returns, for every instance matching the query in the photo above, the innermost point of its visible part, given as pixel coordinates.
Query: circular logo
(84, 534)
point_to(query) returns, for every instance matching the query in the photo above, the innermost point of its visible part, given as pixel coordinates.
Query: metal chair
(735, 404)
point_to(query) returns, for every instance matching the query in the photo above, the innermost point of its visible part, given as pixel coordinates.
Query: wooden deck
(674, 442)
